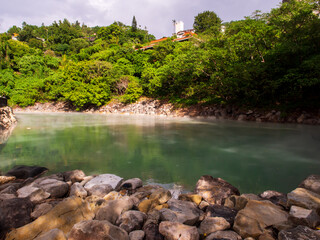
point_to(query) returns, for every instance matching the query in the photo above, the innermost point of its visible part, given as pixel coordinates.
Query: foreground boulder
(178, 231)
(300, 232)
(253, 220)
(215, 190)
(15, 213)
(63, 216)
(302, 216)
(304, 198)
(97, 230)
(54, 234)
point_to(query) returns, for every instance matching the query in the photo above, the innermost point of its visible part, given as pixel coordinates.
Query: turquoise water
(253, 157)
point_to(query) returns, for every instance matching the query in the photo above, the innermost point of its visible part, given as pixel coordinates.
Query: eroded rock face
(256, 217)
(96, 230)
(15, 213)
(300, 232)
(63, 216)
(178, 231)
(7, 119)
(215, 190)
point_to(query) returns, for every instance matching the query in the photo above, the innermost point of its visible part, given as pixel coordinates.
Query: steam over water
(253, 157)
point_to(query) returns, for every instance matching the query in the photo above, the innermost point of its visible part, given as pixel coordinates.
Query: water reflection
(253, 157)
(4, 136)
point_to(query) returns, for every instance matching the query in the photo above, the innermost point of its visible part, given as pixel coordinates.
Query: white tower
(179, 26)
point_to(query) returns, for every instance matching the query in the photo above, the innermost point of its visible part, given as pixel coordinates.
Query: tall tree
(207, 21)
(134, 24)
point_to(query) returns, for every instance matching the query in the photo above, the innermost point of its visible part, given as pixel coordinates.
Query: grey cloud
(157, 16)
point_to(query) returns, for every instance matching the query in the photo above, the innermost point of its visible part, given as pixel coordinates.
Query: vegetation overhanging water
(253, 157)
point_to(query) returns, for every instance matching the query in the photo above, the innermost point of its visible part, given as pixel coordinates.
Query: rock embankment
(7, 119)
(148, 106)
(74, 206)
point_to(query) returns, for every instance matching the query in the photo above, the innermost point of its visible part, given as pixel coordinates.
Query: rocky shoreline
(74, 206)
(146, 106)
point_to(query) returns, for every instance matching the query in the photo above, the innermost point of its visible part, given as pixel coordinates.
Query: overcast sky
(155, 15)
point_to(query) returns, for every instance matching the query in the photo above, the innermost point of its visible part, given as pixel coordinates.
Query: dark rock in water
(14, 213)
(215, 190)
(299, 233)
(24, 172)
(222, 211)
(152, 232)
(97, 230)
(311, 183)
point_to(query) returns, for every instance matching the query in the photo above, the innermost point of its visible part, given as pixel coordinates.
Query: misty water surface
(251, 156)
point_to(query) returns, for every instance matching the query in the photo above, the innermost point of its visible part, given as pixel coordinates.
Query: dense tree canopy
(207, 21)
(268, 60)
